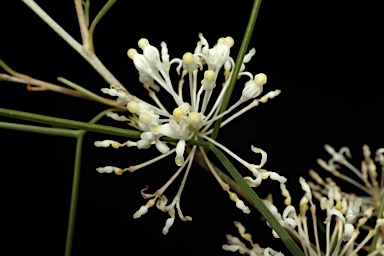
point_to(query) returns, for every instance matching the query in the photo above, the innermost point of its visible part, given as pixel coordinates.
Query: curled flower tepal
(190, 115)
(337, 156)
(256, 169)
(263, 156)
(259, 173)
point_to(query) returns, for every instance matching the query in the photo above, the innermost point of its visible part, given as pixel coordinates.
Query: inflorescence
(191, 118)
(351, 211)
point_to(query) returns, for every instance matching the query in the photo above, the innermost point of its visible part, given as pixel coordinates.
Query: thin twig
(44, 86)
(76, 184)
(98, 17)
(84, 52)
(11, 71)
(86, 92)
(39, 129)
(82, 23)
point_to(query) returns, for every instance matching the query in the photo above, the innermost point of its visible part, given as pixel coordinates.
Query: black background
(325, 57)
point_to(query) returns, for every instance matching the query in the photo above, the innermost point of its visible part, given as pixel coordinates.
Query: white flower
(235, 244)
(191, 116)
(165, 56)
(138, 107)
(161, 146)
(150, 53)
(219, 54)
(144, 209)
(180, 152)
(141, 63)
(115, 92)
(146, 140)
(247, 58)
(365, 179)
(209, 80)
(254, 88)
(189, 62)
(116, 117)
(239, 203)
(337, 156)
(148, 82)
(110, 169)
(169, 221)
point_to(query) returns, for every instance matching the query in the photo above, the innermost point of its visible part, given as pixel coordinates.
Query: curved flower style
(190, 119)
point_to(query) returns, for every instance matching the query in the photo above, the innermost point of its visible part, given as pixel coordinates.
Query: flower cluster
(195, 111)
(367, 178)
(351, 211)
(367, 182)
(340, 238)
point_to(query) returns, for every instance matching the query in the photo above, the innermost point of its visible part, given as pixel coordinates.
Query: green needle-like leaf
(239, 61)
(86, 92)
(86, 5)
(76, 184)
(39, 129)
(82, 126)
(98, 17)
(372, 247)
(69, 123)
(287, 240)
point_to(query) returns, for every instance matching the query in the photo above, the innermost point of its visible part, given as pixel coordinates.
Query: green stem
(258, 203)
(239, 61)
(11, 71)
(76, 183)
(86, 5)
(85, 126)
(74, 196)
(90, 58)
(69, 123)
(39, 129)
(372, 247)
(101, 13)
(86, 92)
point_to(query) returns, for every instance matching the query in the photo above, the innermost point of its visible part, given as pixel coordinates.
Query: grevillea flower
(366, 179)
(192, 116)
(346, 213)
(342, 224)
